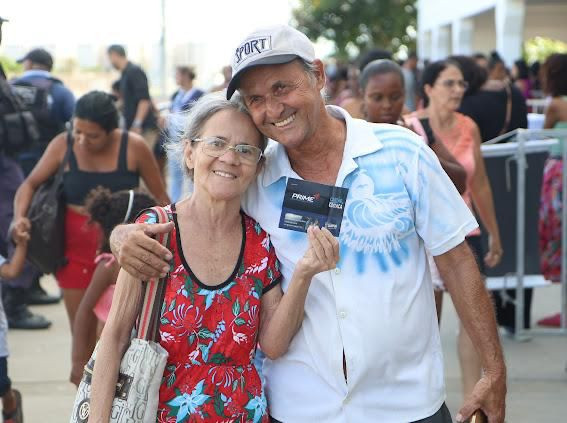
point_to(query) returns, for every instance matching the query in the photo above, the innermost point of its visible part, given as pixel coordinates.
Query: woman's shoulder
(252, 226)
(465, 122)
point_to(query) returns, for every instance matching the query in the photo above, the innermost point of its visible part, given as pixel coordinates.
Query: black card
(309, 203)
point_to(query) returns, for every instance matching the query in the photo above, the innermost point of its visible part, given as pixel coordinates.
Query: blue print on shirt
(379, 213)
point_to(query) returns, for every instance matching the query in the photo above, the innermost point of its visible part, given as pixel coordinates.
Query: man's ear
(320, 74)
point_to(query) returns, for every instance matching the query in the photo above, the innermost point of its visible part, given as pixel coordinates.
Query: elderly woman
(443, 89)
(222, 294)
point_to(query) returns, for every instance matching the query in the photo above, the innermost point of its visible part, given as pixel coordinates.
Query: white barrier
(527, 142)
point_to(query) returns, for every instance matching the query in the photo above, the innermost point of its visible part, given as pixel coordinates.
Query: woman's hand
(322, 253)
(494, 255)
(76, 375)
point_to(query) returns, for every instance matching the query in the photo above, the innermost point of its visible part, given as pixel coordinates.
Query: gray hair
(186, 126)
(379, 67)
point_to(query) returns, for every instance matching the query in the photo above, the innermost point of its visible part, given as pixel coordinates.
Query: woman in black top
(496, 106)
(101, 155)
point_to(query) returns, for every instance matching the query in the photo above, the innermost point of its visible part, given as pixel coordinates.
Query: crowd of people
(260, 323)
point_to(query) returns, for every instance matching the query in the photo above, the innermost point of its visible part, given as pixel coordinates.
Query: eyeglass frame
(451, 83)
(230, 147)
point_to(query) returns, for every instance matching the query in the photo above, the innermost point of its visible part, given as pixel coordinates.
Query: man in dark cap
(52, 104)
(60, 102)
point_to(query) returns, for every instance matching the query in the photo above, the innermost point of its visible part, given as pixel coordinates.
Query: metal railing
(528, 141)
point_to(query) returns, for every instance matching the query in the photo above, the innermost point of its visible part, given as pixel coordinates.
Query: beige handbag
(142, 366)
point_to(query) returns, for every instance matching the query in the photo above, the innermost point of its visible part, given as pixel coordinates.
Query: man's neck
(319, 158)
(186, 86)
(122, 65)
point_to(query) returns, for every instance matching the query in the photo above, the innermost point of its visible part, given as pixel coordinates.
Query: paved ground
(39, 367)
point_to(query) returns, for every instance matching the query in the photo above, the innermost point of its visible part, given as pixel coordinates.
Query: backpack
(18, 127)
(35, 95)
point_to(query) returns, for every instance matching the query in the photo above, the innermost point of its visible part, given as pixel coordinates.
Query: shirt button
(85, 271)
(337, 271)
(343, 314)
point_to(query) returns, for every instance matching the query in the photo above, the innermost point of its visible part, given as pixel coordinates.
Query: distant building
(464, 27)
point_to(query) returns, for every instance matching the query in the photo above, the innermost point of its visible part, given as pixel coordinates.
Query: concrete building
(465, 26)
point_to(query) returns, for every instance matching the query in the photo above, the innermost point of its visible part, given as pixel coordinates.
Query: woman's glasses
(216, 147)
(451, 83)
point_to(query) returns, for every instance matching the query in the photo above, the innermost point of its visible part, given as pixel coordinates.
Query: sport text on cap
(269, 46)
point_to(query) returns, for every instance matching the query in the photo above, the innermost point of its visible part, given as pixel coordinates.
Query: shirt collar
(360, 140)
(35, 73)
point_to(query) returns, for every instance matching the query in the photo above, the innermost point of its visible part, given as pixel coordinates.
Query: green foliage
(358, 25)
(10, 66)
(539, 48)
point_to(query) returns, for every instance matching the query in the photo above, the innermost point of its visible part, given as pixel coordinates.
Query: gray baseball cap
(272, 45)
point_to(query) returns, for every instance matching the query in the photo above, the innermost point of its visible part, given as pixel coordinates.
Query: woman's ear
(427, 89)
(260, 165)
(189, 154)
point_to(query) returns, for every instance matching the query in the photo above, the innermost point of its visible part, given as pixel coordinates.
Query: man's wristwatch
(137, 124)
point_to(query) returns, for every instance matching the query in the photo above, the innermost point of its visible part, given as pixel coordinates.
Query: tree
(358, 25)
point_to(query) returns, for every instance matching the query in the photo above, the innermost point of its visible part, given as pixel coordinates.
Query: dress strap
(73, 166)
(122, 156)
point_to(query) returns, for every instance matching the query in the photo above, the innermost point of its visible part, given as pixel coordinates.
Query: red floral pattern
(210, 334)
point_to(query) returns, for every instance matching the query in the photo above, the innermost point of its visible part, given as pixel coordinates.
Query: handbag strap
(148, 319)
(508, 116)
(61, 169)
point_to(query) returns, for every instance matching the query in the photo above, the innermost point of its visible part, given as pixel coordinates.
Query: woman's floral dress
(211, 334)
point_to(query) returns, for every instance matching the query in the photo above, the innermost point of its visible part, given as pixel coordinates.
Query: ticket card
(309, 203)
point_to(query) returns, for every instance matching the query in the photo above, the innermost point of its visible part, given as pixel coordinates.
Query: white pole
(163, 56)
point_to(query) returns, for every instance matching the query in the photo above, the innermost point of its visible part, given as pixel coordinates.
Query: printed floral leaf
(171, 380)
(257, 228)
(164, 321)
(236, 308)
(219, 358)
(240, 321)
(226, 294)
(172, 305)
(234, 385)
(219, 405)
(258, 287)
(205, 333)
(191, 338)
(246, 306)
(162, 312)
(170, 368)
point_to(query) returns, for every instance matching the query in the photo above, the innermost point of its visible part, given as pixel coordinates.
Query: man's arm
(138, 253)
(139, 83)
(464, 282)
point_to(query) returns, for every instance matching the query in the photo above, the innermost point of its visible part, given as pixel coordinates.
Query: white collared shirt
(378, 304)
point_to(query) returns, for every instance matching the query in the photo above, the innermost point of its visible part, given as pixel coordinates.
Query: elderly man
(369, 348)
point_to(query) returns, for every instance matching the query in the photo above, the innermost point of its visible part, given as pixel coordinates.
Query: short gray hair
(186, 126)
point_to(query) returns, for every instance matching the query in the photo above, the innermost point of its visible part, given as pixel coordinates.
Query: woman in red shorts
(222, 293)
(101, 155)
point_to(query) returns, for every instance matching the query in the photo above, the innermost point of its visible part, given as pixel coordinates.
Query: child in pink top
(107, 210)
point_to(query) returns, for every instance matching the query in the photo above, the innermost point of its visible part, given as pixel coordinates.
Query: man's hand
(20, 228)
(139, 254)
(488, 395)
